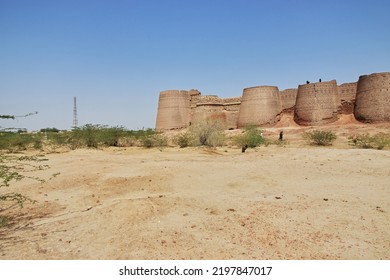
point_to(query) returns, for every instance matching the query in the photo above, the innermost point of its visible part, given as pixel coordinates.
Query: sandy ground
(277, 202)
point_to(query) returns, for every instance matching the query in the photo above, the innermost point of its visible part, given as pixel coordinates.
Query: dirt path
(269, 203)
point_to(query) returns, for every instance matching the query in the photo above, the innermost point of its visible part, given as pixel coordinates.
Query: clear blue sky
(117, 55)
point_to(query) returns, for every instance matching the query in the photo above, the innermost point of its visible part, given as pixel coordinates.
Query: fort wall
(179, 109)
(373, 98)
(347, 93)
(215, 108)
(288, 98)
(173, 109)
(311, 104)
(317, 103)
(259, 106)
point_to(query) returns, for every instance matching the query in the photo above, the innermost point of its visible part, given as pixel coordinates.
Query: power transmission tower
(75, 121)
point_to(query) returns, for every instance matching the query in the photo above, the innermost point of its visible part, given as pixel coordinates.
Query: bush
(208, 133)
(87, 135)
(320, 137)
(37, 141)
(94, 135)
(4, 221)
(147, 142)
(57, 140)
(127, 141)
(138, 134)
(365, 141)
(14, 141)
(50, 129)
(160, 140)
(110, 136)
(156, 140)
(184, 139)
(15, 168)
(251, 137)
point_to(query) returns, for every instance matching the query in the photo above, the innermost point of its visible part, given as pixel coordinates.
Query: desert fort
(311, 104)
(285, 200)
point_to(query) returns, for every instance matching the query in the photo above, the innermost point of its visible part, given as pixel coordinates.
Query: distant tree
(50, 129)
(7, 117)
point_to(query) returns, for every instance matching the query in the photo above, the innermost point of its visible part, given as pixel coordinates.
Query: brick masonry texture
(317, 103)
(311, 104)
(260, 106)
(373, 98)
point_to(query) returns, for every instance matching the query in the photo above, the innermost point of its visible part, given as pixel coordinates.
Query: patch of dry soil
(292, 202)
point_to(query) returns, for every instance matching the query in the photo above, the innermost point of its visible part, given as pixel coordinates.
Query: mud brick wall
(317, 103)
(260, 106)
(347, 94)
(173, 109)
(373, 98)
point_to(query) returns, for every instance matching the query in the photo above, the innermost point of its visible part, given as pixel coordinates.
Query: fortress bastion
(373, 98)
(317, 103)
(311, 104)
(173, 109)
(260, 105)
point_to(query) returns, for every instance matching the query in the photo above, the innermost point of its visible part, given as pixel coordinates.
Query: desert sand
(292, 201)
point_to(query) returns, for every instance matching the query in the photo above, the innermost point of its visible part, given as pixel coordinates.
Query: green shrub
(14, 141)
(208, 133)
(15, 168)
(366, 141)
(127, 141)
(147, 142)
(160, 140)
(252, 137)
(138, 134)
(88, 135)
(50, 129)
(109, 136)
(56, 140)
(155, 140)
(184, 139)
(320, 137)
(4, 221)
(37, 141)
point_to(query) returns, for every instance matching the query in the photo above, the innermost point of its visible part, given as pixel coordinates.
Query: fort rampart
(317, 103)
(347, 93)
(259, 106)
(288, 98)
(173, 109)
(373, 98)
(312, 104)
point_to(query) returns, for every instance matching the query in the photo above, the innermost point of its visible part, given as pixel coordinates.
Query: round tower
(317, 103)
(173, 110)
(260, 106)
(373, 98)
